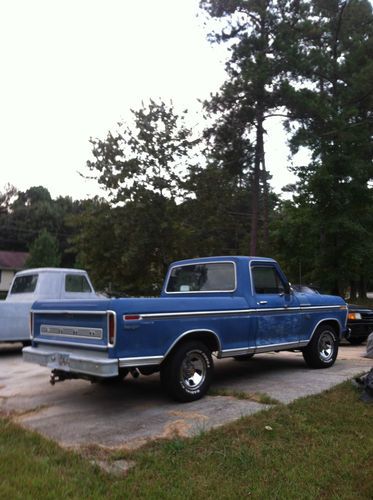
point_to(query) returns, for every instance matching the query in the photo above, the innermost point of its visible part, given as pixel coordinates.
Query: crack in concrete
(20, 414)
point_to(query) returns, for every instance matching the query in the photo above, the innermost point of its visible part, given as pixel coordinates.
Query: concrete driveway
(128, 414)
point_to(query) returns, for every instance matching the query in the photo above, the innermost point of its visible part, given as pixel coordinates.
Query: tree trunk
(265, 205)
(255, 193)
(353, 290)
(362, 288)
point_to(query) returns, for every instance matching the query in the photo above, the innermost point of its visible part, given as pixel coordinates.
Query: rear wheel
(187, 373)
(322, 351)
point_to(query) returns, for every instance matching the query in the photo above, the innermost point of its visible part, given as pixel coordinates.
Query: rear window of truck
(77, 283)
(209, 277)
(25, 284)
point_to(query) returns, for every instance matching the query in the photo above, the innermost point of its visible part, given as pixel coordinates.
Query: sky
(72, 69)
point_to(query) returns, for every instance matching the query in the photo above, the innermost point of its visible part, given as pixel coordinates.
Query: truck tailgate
(74, 326)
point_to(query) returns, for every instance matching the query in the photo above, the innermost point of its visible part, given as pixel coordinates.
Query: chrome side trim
(196, 313)
(277, 309)
(320, 307)
(142, 361)
(188, 332)
(234, 311)
(228, 353)
(260, 349)
(275, 347)
(323, 321)
(203, 263)
(62, 311)
(38, 340)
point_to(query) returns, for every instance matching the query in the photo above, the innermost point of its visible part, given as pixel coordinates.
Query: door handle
(263, 302)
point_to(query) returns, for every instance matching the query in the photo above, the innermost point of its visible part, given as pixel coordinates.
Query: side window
(25, 284)
(77, 283)
(266, 280)
(208, 277)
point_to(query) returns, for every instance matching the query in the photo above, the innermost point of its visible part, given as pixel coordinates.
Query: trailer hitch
(57, 376)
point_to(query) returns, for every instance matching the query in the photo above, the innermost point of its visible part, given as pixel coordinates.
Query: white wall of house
(6, 277)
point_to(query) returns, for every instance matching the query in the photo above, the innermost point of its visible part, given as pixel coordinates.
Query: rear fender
(208, 337)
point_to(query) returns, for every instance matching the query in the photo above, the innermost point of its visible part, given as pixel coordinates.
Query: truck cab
(39, 284)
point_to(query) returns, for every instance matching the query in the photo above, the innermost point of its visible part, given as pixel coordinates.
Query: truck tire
(187, 373)
(322, 351)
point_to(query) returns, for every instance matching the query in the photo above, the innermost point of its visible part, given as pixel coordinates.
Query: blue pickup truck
(215, 306)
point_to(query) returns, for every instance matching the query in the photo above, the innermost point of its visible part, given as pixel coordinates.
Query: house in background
(10, 263)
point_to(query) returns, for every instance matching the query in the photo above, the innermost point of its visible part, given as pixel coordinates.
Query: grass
(317, 447)
(257, 397)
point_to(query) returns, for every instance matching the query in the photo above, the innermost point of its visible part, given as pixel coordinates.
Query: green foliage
(260, 36)
(148, 154)
(23, 215)
(331, 107)
(44, 251)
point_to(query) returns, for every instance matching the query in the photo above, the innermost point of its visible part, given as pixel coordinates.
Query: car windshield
(25, 284)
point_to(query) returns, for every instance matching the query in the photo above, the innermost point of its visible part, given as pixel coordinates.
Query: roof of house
(13, 260)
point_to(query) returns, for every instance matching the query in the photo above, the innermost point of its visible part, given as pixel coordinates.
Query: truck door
(279, 318)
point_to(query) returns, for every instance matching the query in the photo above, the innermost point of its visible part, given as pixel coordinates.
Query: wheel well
(208, 338)
(334, 324)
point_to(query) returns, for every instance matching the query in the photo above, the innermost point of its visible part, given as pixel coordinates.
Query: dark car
(360, 323)
(359, 319)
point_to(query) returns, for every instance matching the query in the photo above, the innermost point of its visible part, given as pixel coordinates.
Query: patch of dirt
(116, 468)
(177, 428)
(188, 414)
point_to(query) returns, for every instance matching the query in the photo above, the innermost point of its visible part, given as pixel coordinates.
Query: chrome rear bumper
(72, 362)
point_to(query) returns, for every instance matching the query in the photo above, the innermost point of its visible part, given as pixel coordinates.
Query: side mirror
(288, 290)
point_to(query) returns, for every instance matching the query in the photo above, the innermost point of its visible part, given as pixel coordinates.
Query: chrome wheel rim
(193, 370)
(326, 346)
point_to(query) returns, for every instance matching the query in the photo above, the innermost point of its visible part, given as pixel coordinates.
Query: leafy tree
(331, 106)
(44, 251)
(23, 215)
(260, 33)
(143, 166)
(149, 154)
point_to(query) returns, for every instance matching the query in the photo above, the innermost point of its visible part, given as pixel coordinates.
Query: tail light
(131, 317)
(31, 325)
(112, 323)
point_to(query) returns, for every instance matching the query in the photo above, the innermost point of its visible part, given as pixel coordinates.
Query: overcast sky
(71, 69)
